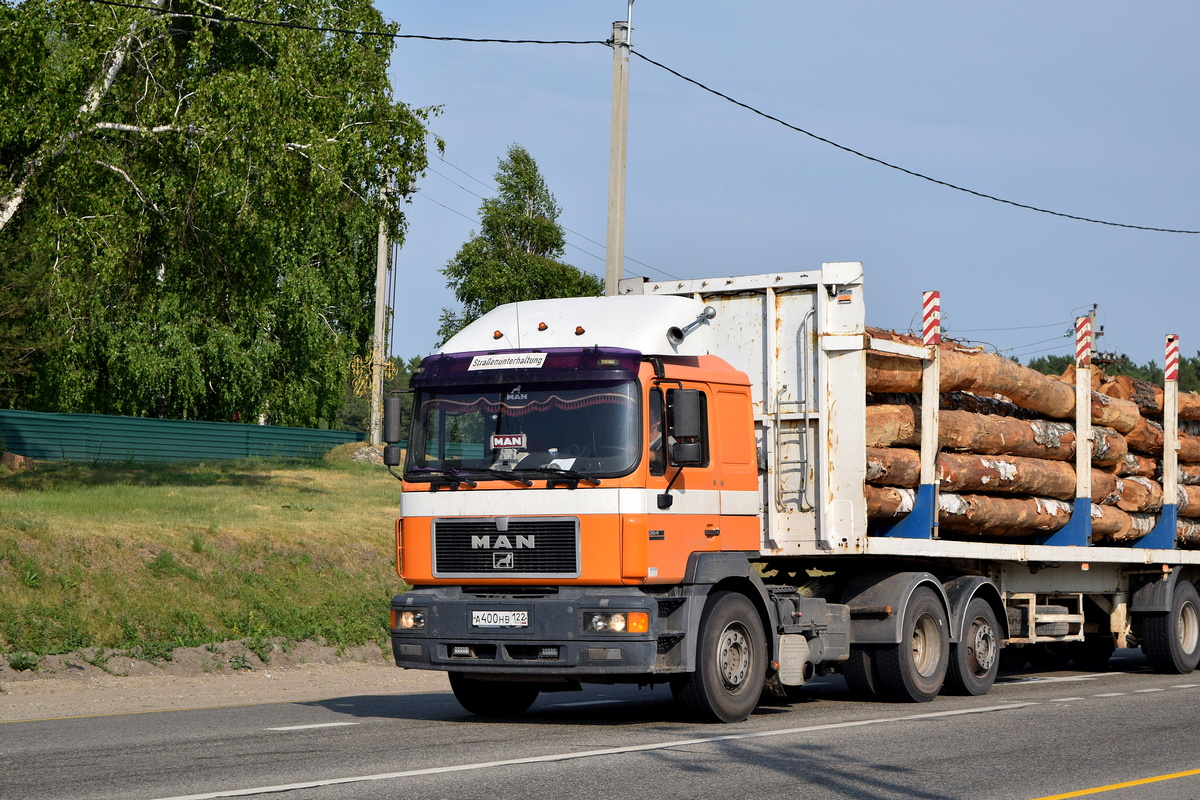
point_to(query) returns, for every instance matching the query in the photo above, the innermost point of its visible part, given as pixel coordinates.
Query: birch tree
(196, 202)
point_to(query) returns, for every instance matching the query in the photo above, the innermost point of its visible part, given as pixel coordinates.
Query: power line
(681, 76)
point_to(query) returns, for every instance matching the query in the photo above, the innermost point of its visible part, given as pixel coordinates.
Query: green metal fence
(95, 437)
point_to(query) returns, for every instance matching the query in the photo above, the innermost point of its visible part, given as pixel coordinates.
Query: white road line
(1147, 691)
(1111, 694)
(310, 727)
(614, 751)
(1064, 679)
(1186, 686)
(1064, 699)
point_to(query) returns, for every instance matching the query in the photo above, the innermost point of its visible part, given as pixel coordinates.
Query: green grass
(144, 559)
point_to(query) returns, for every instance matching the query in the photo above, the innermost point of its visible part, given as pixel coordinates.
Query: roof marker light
(497, 335)
(579, 331)
(542, 326)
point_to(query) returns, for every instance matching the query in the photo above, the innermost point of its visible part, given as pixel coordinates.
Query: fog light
(460, 651)
(548, 652)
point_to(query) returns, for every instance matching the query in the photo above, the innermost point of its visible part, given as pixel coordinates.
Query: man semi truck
(667, 486)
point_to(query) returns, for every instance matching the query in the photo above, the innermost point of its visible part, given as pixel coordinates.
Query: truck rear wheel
(975, 659)
(730, 662)
(492, 698)
(915, 669)
(1172, 640)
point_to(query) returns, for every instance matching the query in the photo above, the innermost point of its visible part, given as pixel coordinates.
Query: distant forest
(1189, 369)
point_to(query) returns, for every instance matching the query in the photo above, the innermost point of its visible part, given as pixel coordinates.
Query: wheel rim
(1189, 628)
(926, 645)
(734, 656)
(982, 647)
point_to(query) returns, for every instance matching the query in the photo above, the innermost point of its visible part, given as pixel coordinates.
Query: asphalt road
(1034, 736)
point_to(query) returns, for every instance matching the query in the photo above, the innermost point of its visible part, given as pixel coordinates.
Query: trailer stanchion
(1162, 536)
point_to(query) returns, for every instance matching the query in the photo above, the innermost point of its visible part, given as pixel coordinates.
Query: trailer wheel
(492, 698)
(975, 659)
(915, 669)
(859, 671)
(1172, 640)
(731, 662)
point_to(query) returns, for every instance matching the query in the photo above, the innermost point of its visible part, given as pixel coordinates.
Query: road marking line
(1111, 694)
(1065, 679)
(614, 751)
(310, 727)
(1147, 691)
(1127, 784)
(1065, 699)
(1186, 686)
(586, 703)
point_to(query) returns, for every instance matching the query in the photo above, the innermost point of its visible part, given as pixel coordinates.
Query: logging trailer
(667, 486)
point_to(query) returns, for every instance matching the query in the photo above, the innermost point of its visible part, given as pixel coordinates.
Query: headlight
(408, 619)
(618, 621)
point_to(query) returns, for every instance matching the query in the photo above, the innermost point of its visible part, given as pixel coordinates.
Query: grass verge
(144, 559)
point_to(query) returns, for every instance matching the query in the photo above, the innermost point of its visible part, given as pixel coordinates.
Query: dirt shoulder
(88, 683)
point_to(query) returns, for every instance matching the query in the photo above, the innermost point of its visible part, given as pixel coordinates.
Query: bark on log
(1147, 467)
(1188, 534)
(986, 374)
(986, 435)
(1189, 474)
(961, 472)
(1149, 397)
(1140, 494)
(979, 515)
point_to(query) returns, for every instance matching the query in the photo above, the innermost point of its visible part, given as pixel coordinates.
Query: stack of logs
(1006, 466)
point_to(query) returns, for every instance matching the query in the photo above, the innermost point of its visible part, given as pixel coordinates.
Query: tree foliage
(516, 254)
(195, 203)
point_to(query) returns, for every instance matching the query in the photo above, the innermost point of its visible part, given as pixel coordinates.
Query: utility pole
(375, 424)
(614, 262)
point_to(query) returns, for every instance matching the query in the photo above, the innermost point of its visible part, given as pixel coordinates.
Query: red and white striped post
(931, 388)
(1084, 342)
(931, 317)
(1171, 423)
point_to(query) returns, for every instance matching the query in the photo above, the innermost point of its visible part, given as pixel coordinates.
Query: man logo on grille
(502, 560)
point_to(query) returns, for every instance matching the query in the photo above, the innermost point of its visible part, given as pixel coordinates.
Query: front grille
(540, 547)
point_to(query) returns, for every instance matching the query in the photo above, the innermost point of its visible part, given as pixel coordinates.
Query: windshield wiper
(502, 475)
(451, 476)
(566, 474)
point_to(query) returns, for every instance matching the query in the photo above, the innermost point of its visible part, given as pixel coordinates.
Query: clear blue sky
(1089, 108)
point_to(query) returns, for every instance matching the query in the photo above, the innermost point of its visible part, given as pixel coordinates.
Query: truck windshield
(530, 431)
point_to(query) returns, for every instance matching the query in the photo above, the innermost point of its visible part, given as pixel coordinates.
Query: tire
(731, 662)
(915, 669)
(1053, 628)
(975, 659)
(492, 698)
(1171, 641)
(859, 672)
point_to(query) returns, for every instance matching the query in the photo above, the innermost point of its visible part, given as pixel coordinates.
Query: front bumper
(552, 644)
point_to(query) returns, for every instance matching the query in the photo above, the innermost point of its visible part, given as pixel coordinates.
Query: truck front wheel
(1171, 641)
(492, 698)
(915, 669)
(730, 663)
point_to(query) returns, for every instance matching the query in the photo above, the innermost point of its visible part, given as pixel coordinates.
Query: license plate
(499, 619)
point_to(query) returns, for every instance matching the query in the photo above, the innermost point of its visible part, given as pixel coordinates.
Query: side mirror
(687, 454)
(392, 455)
(685, 413)
(393, 420)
